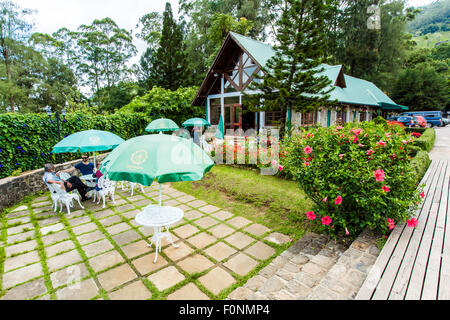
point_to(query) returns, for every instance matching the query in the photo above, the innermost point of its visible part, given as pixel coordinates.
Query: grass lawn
(274, 202)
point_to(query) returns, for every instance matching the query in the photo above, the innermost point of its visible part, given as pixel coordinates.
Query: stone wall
(14, 189)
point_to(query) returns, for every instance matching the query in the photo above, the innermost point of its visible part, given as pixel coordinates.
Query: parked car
(408, 121)
(446, 121)
(422, 122)
(434, 118)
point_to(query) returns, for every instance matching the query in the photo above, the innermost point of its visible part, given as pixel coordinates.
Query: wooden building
(234, 67)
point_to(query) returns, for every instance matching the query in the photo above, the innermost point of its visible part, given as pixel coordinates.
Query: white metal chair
(107, 187)
(61, 196)
(134, 184)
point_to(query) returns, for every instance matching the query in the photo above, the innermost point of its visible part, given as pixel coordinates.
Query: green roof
(357, 91)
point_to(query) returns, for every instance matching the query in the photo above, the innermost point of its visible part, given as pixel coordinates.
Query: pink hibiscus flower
(381, 143)
(369, 152)
(306, 164)
(391, 224)
(326, 220)
(346, 232)
(412, 222)
(325, 199)
(422, 194)
(341, 155)
(386, 188)
(307, 149)
(339, 127)
(357, 131)
(379, 175)
(355, 139)
(338, 200)
(280, 167)
(310, 215)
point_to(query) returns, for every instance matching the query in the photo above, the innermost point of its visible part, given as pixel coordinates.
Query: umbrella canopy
(220, 130)
(161, 125)
(196, 122)
(88, 141)
(166, 158)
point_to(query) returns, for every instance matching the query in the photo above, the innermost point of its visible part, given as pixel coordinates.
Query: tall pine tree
(169, 66)
(292, 79)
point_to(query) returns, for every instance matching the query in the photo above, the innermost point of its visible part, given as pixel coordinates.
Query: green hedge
(420, 164)
(426, 140)
(418, 129)
(26, 140)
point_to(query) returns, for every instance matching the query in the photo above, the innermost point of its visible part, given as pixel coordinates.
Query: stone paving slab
(188, 292)
(104, 250)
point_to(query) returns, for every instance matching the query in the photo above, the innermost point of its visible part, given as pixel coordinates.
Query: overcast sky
(54, 14)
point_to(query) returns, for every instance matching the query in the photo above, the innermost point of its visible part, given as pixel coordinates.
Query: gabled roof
(347, 89)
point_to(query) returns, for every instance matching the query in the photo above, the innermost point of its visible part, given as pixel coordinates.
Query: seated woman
(97, 174)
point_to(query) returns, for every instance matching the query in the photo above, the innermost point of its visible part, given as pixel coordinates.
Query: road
(441, 148)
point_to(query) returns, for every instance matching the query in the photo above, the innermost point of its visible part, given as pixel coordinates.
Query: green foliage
(380, 120)
(420, 164)
(426, 140)
(421, 87)
(343, 162)
(295, 68)
(169, 68)
(432, 18)
(27, 140)
(164, 103)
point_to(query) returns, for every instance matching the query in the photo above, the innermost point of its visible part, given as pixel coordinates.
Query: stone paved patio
(96, 253)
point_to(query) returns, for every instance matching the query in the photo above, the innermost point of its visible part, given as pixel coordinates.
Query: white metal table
(159, 218)
(89, 180)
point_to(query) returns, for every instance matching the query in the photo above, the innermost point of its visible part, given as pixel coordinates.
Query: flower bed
(359, 176)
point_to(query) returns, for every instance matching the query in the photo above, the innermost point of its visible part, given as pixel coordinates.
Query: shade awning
(392, 106)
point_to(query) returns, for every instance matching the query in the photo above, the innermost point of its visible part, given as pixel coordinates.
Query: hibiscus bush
(359, 176)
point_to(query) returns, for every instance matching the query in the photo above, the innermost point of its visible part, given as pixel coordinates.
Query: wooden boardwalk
(415, 262)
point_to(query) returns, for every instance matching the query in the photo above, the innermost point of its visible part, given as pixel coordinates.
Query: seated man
(69, 184)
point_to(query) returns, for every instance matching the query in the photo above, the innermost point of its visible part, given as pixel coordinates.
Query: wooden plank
(374, 275)
(387, 280)
(415, 285)
(444, 278)
(404, 272)
(431, 283)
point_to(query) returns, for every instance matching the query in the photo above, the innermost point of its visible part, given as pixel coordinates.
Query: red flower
(386, 188)
(381, 143)
(307, 149)
(379, 175)
(412, 222)
(369, 152)
(338, 200)
(355, 139)
(280, 167)
(326, 220)
(357, 131)
(306, 164)
(346, 232)
(310, 215)
(422, 194)
(391, 224)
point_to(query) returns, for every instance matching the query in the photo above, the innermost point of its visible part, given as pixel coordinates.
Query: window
(362, 116)
(214, 113)
(272, 118)
(341, 116)
(309, 118)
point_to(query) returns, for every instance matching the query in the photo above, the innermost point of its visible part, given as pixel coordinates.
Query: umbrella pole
(160, 195)
(94, 161)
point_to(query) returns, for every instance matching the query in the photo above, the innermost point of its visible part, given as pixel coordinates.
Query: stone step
(314, 268)
(294, 273)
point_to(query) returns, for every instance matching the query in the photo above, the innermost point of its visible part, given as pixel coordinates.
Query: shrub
(26, 140)
(165, 103)
(426, 140)
(358, 176)
(420, 164)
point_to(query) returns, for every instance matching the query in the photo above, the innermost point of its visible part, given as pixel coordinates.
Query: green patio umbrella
(161, 125)
(196, 122)
(88, 141)
(166, 158)
(220, 129)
